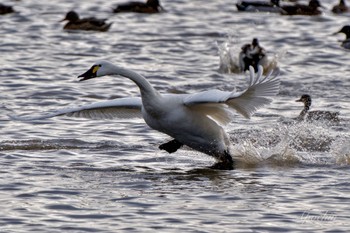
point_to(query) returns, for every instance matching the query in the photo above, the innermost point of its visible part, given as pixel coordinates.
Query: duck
(346, 30)
(305, 114)
(151, 6)
(340, 8)
(87, 24)
(195, 120)
(272, 6)
(301, 9)
(252, 55)
(4, 9)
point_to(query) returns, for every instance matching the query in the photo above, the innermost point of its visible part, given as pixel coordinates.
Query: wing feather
(117, 108)
(246, 102)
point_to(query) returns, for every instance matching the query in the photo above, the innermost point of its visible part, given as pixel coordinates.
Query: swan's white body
(194, 120)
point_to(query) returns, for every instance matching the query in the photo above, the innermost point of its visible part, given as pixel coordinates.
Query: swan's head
(100, 68)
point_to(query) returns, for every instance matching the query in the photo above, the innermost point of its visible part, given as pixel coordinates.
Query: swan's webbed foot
(171, 146)
(226, 163)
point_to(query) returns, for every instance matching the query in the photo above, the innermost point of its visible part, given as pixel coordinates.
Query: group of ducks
(194, 120)
(95, 24)
(296, 9)
(249, 53)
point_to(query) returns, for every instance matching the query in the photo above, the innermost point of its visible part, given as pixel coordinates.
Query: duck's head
(345, 30)
(71, 16)
(153, 3)
(306, 99)
(100, 68)
(315, 4)
(255, 42)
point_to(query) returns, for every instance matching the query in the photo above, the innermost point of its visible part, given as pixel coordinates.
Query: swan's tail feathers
(255, 96)
(124, 108)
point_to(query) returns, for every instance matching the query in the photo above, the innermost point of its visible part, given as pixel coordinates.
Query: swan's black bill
(91, 73)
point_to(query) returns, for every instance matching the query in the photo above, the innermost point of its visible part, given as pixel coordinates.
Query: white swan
(194, 120)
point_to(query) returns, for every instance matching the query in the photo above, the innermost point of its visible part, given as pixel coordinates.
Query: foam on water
(309, 143)
(341, 150)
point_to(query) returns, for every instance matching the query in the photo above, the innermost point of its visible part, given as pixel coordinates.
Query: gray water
(79, 175)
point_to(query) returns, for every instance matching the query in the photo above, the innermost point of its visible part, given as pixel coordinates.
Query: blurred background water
(78, 175)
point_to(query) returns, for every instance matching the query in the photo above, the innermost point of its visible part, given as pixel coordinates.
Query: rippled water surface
(78, 175)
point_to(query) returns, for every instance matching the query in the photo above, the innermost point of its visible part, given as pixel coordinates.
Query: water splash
(291, 144)
(341, 150)
(248, 155)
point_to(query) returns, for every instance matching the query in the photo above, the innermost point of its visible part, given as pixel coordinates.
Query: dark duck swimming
(301, 9)
(340, 8)
(4, 9)
(86, 24)
(151, 6)
(252, 55)
(259, 6)
(305, 114)
(346, 30)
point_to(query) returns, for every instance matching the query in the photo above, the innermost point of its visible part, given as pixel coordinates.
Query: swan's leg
(171, 146)
(226, 162)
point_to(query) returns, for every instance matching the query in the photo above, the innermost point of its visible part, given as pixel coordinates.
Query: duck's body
(301, 9)
(4, 9)
(194, 120)
(86, 24)
(305, 114)
(346, 30)
(253, 6)
(151, 6)
(345, 44)
(340, 8)
(252, 55)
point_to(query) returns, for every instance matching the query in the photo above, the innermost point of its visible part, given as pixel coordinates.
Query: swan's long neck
(146, 88)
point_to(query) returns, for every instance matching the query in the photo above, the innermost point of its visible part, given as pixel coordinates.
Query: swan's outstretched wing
(216, 103)
(117, 108)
